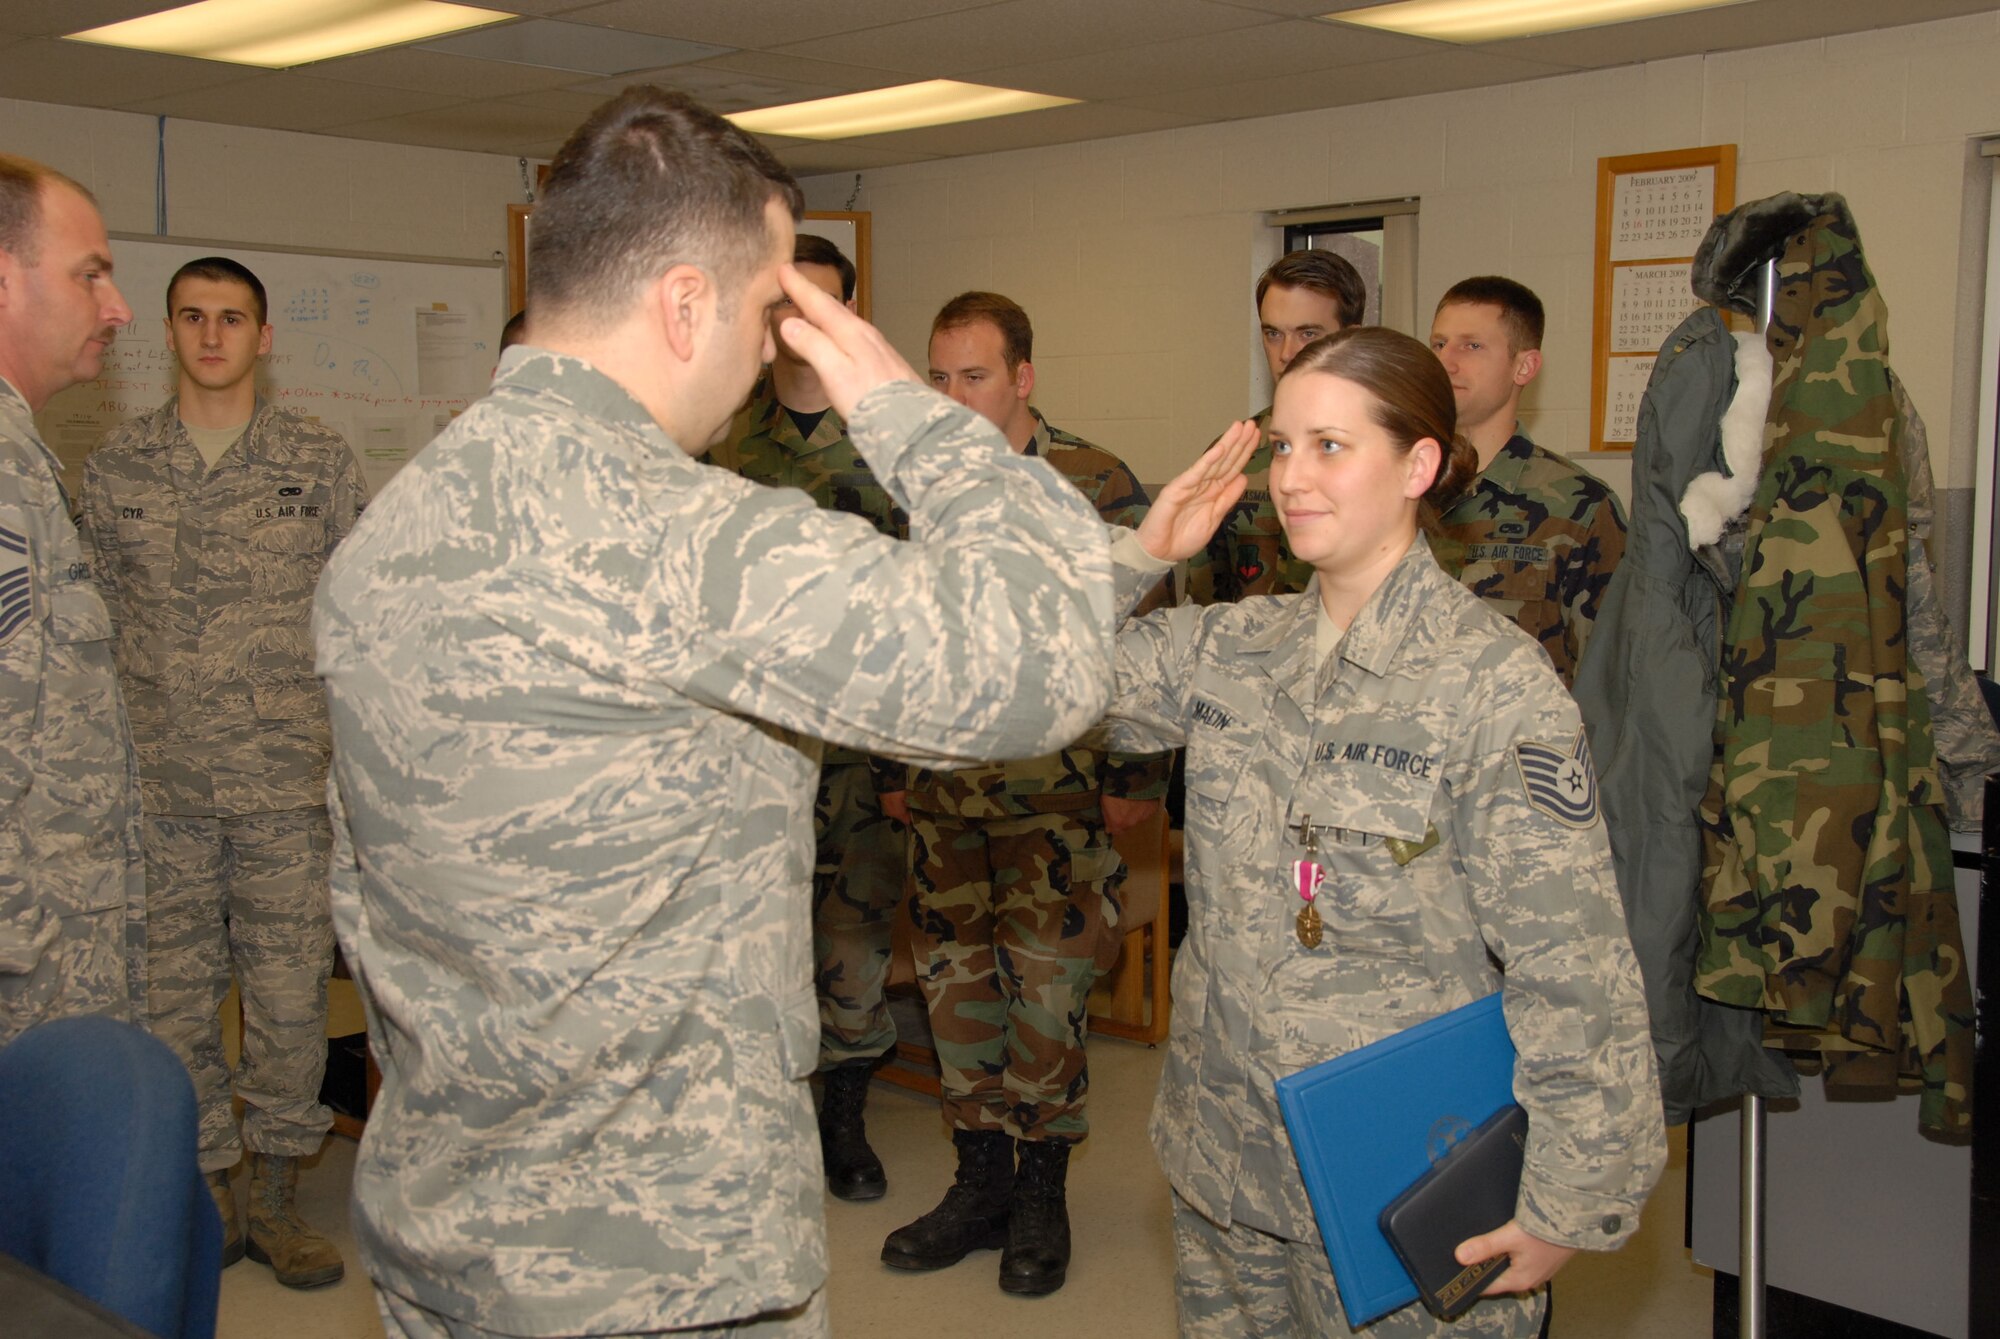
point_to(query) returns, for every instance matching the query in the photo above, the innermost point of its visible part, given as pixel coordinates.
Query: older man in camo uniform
(211, 518)
(577, 678)
(72, 901)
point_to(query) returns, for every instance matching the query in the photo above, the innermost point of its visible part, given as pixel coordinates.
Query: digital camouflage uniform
(576, 681)
(210, 573)
(1452, 767)
(1248, 554)
(1828, 872)
(859, 852)
(1537, 537)
(72, 891)
(1016, 890)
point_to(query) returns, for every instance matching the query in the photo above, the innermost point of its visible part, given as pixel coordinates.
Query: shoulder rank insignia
(17, 583)
(1559, 781)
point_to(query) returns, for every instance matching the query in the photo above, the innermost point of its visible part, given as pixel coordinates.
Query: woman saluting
(1386, 726)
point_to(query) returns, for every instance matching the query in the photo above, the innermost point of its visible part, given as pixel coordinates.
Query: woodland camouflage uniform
(1536, 537)
(1016, 890)
(1828, 876)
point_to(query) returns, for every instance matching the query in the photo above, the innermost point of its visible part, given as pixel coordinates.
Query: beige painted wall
(1135, 256)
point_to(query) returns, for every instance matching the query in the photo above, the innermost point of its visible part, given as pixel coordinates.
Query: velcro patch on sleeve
(1559, 781)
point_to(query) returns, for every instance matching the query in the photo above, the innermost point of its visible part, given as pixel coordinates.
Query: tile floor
(1120, 1283)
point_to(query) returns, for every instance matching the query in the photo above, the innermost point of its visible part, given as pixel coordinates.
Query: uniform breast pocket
(1378, 855)
(77, 614)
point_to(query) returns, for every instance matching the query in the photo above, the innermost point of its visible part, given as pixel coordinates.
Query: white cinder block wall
(1135, 256)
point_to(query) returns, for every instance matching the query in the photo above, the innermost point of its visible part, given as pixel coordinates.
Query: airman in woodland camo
(1016, 888)
(72, 892)
(1394, 736)
(1303, 295)
(211, 518)
(578, 679)
(1535, 536)
(790, 436)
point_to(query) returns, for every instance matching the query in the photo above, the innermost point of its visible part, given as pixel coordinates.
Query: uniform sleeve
(99, 534)
(26, 927)
(350, 496)
(987, 636)
(1155, 662)
(1134, 776)
(1524, 801)
(1587, 574)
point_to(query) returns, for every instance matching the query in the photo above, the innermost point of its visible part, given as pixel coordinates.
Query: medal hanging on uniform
(1307, 876)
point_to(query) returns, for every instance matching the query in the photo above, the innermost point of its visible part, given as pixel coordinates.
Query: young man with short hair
(1537, 535)
(1016, 878)
(1303, 295)
(212, 517)
(790, 436)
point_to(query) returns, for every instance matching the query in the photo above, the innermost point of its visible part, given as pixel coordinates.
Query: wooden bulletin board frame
(848, 230)
(1646, 226)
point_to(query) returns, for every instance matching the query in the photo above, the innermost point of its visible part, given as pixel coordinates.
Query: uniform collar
(767, 416)
(1040, 442)
(1288, 645)
(543, 373)
(1507, 466)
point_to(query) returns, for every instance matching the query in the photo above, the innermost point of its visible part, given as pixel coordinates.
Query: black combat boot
(1036, 1260)
(973, 1214)
(853, 1172)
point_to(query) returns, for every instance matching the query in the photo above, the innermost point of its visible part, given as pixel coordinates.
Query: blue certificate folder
(1366, 1124)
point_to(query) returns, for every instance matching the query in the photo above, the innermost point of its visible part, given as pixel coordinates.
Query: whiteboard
(383, 351)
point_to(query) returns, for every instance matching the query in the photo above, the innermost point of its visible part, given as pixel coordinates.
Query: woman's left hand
(1531, 1262)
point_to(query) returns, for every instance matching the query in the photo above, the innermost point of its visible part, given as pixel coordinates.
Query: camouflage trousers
(1240, 1283)
(1014, 918)
(404, 1319)
(243, 896)
(858, 869)
(81, 970)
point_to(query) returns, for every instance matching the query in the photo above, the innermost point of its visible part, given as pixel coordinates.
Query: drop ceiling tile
(441, 72)
(853, 156)
(47, 70)
(291, 101)
(720, 90)
(1439, 72)
(55, 18)
(1300, 9)
(483, 127)
(1161, 69)
(763, 23)
(1728, 28)
(1016, 32)
(561, 44)
(803, 70)
(561, 101)
(1054, 125)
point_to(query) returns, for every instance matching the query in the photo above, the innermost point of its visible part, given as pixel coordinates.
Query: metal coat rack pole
(1750, 1193)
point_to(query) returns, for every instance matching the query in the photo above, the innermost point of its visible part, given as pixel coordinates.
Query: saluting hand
(850, 355)
(1188, 510)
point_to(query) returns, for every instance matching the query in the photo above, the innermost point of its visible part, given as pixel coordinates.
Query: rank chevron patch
(1559, 781)
(17, 583)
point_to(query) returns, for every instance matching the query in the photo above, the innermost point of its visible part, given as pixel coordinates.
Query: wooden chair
(1131, 1001)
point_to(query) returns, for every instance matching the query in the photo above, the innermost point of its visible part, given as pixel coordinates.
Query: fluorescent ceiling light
(278, 34)
(1492, 20)
(935, 102)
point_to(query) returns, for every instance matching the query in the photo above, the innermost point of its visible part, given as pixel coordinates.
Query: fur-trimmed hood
(1725, 266)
